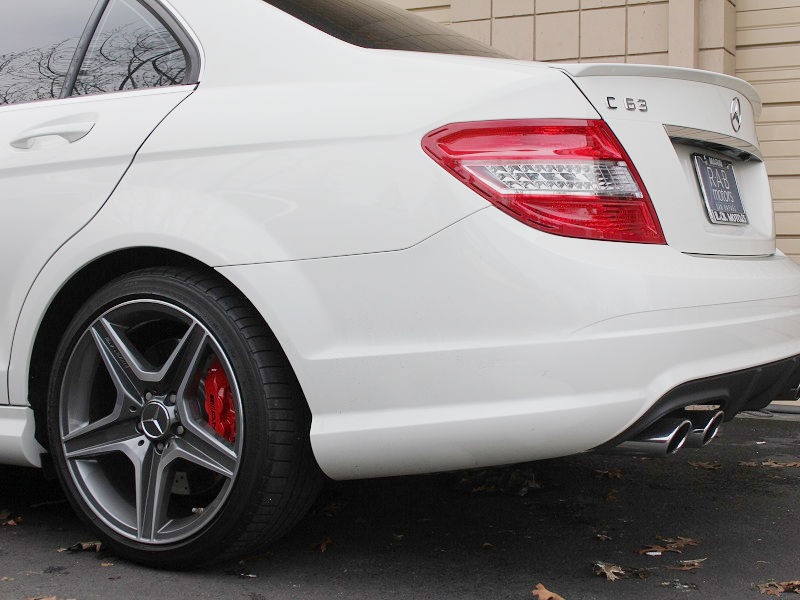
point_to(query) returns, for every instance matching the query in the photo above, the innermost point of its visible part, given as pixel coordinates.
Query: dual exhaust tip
(692, 429)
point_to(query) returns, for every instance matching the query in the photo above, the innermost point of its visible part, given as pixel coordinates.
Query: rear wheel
(178, 428)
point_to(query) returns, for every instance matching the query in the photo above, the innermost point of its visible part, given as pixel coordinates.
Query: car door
(72, 121)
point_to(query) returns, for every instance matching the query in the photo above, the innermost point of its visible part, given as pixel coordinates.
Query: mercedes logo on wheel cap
(155, 420)
(736, 114)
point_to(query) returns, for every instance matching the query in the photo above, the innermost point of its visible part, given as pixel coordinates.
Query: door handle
(69, 132)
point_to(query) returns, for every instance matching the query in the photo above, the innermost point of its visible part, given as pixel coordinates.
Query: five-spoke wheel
(158, 404)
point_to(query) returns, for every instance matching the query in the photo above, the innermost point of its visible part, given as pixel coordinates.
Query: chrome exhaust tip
(705, 426)
(663, 438)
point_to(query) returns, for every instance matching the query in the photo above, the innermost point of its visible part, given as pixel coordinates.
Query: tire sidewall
(255, 452)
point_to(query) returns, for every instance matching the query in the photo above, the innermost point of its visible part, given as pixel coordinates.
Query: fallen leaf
(7, 521)
(603, 537)
(484, 489)
(56, 570)
(780, 465)
(83, 547)
(614, 572)
(487, 546)
(772, 588)
(748, 463)
(637, 572)
(6, 579)
(689, 565)
(678, 544)
(612, 496)
(609, 571)
(708, 466)
(542, 593)
(516, 482)
(323, 545)
(398, 537)
(678, 585)
(609, 474)
(106, 564)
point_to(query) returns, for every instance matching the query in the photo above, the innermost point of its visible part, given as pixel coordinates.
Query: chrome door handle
(69, 132)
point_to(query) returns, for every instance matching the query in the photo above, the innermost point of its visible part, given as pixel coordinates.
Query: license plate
(720, 192)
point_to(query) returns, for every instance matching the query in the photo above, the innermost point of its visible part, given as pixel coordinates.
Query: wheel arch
(71, 296)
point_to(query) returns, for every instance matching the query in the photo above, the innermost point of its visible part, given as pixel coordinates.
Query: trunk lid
(702, 174)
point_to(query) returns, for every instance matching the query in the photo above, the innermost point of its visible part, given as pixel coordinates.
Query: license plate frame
(720, 191)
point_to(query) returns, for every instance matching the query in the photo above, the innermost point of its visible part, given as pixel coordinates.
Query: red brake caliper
(219, 403)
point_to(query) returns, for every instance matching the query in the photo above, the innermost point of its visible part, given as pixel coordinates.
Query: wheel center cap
(155, 420)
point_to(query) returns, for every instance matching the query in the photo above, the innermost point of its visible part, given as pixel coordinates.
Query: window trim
(82, 48)
(163, 15)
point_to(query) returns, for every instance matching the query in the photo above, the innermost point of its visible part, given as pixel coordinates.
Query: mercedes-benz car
(247, 246)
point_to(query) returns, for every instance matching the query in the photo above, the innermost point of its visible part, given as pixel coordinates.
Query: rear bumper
(748, 389)
(17, 443)
(494, 343)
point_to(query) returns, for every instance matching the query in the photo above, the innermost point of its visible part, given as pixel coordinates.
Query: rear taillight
(564, 176)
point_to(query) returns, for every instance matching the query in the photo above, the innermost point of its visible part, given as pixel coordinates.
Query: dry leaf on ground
(748, 463)
(780, 465)
(678, 544)
(602, 536)
(679, 585)
(6, 520)
(6, 579)
(323, 545)
(542, 593)
(609, 571)
(609, 474)
(708, 466)
(513, 482)
(689, 565)
(612, 496)
(614, 572)
(773, 588)
(93, 546)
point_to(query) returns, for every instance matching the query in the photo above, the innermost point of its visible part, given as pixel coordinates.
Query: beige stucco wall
(758, 40)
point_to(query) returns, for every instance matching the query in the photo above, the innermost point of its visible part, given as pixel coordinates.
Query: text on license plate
(720, 192)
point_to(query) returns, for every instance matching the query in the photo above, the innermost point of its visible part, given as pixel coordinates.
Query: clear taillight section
(567, 177)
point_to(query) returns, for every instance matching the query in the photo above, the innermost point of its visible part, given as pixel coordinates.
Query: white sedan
(247, 245)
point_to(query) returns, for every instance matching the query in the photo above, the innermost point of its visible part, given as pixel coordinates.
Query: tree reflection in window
(36, 73)
(37, 41)
(130, 50)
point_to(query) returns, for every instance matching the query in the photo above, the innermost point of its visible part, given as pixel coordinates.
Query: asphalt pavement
(733, 507)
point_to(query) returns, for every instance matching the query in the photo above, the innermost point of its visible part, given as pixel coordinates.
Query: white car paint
(60, 161)
(428, 330)
(493, 343)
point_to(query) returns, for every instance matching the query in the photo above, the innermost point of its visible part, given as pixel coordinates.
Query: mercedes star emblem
(155, 420)
(736, 114)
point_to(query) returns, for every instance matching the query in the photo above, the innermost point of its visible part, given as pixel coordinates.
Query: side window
(37, 41)
(131, 49)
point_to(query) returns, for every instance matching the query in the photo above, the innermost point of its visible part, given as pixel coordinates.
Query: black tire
(128, 388)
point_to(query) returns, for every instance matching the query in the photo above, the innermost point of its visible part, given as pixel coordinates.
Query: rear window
(375, 24)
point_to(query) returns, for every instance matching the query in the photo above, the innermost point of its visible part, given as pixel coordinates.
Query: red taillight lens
(565, 176)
